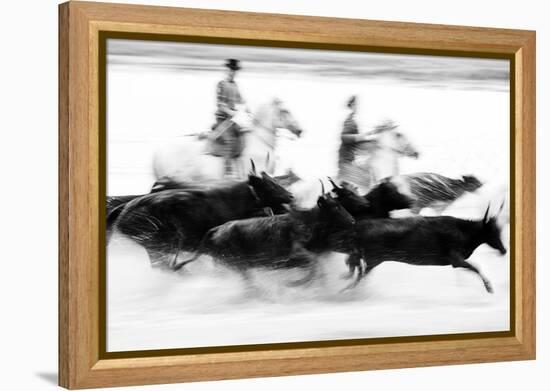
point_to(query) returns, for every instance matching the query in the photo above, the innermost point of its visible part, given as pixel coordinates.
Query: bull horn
(333, 183)
(253, 167)
(322, 187)
(501, 206)
(486, 215)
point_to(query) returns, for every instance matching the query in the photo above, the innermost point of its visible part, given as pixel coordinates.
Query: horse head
(287, 121)
(403, 145)
(276, 115)
(390, 139)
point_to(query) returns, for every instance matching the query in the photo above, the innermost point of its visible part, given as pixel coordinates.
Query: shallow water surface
(208, 305)
(456, 113)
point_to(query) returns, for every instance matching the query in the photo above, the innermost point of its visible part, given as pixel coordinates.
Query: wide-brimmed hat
(232, 63)
(351, 100)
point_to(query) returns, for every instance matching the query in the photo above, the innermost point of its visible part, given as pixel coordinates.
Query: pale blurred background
(456, 112)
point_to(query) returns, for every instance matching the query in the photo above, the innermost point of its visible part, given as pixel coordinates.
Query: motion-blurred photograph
(266, 195)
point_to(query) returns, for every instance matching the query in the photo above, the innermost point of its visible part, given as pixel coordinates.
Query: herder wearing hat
(350, 137)
(227, 139)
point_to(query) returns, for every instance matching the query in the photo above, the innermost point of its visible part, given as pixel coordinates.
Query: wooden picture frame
(83, 362)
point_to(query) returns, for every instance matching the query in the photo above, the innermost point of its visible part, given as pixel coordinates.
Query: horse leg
(458, 261)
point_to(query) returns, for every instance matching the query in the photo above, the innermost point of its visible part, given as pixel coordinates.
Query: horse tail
(429, 188)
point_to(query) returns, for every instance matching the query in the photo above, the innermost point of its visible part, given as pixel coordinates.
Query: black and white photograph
(264, 195)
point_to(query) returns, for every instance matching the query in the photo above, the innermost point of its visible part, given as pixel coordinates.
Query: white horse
(375, 159)
(379, 158)
(189, 160)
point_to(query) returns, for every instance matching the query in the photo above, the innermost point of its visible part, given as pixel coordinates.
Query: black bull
(175, 220)
(115, 204)
(434, 241)
(285, 241)
(377, 203)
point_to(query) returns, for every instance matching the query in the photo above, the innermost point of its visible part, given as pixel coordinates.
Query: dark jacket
(230, 142)
(346, 154)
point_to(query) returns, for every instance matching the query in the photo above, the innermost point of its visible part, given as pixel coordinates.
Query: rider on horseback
(226, 135)
(347, 170)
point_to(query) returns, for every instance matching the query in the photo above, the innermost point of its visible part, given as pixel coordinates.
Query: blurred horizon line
(424, 70)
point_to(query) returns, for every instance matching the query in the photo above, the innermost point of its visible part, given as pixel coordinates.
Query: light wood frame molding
(81, 364)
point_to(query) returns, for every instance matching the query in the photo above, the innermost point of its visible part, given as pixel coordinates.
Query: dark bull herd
(249, 224)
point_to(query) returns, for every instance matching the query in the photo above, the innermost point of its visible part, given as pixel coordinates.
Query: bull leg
(363, 271)
(349, 274)
(163, 260)
(299, 256)
(459, 262)
(178, 266)
(246, 277)
(172, 264)
(312, 273)
(251, 290)
(268, 211)
(352, 262)
(156, 257)
(362, 266)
